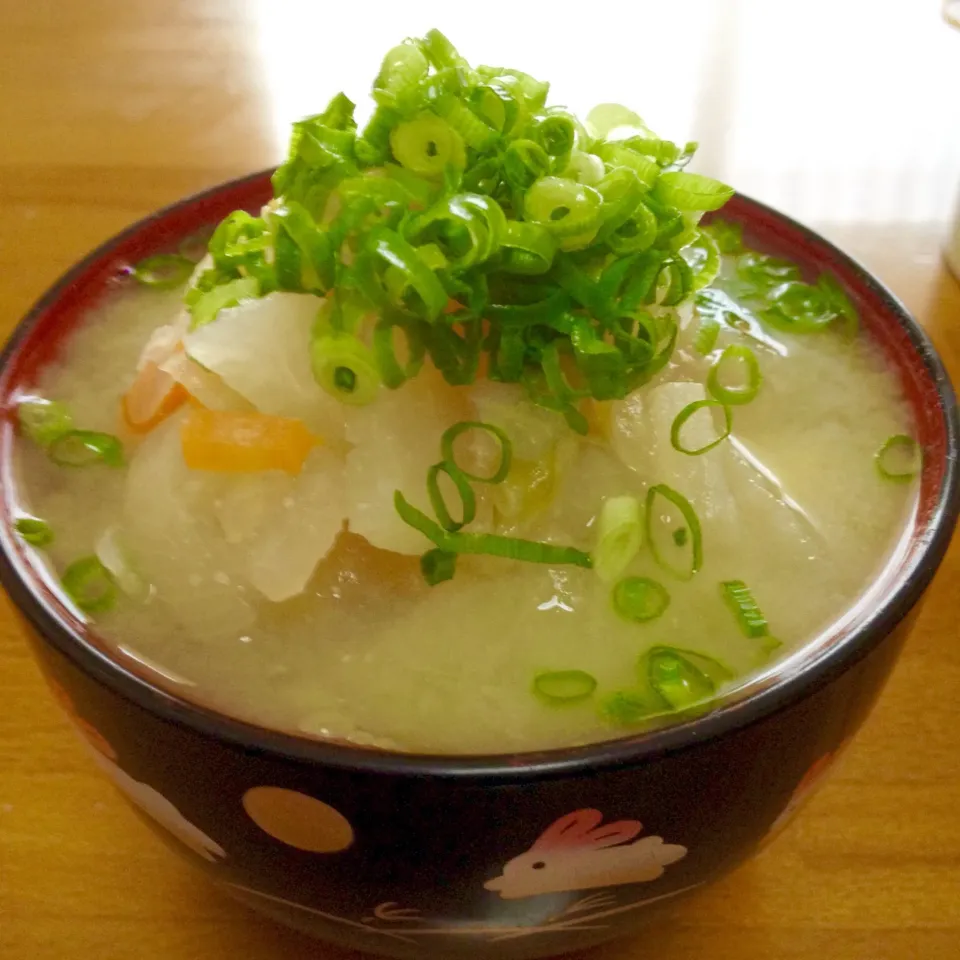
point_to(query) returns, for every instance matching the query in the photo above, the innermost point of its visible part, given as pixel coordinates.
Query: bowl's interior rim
(22, 583)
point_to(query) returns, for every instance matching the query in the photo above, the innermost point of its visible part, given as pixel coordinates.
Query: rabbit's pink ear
(610, 834)
(569, 831)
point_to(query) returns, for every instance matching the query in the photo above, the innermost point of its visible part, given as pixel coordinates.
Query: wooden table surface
(844, 114)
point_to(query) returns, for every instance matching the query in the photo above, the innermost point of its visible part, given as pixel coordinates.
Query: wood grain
(111, 108)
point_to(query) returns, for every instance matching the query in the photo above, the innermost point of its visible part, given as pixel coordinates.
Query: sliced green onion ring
(525, 162)
(345, 368)
(563, 207)
(899, 458)
(607, 118)
(619, 536)
(703, 257)
(676, 439)
(450, 436)
(89, 585)
(738, 597)
(36, 532)
(165, 271)
(655, 523)
(691, 191)
(426, 145)
(468, 499)
(207, 306)
(707, 334)
(556, 134)
(628, 708)
(682, 677)
(563, 687)
(728, 236)
(387, 248)
(43, 421)
(640, 599)
(82, 448)
(530, 248)
(735, 358)
(393, 373)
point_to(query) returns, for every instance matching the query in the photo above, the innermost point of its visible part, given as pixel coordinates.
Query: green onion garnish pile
(479, 222)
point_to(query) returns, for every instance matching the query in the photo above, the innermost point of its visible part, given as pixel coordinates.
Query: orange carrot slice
(153, 396)
(231, 442)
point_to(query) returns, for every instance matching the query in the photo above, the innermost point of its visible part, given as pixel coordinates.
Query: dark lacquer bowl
(500, 856)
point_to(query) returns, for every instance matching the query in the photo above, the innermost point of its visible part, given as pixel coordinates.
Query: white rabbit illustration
(158, 807)
(576, 853)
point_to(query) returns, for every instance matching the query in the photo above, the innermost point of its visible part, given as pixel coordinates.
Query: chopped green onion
(529, 248)
(563, 687)
(707, 334)
(899, 459)
(467, 227)
(426, 145)
(723, 383)
(628, 708)
(438, 565)
(43, 421)
(402, 70)
(468, 499)
(89, 585)
(637, 232)
(208, 305)
(421, 293)
(616, 155)
(465, 426)
(345, 368)
(164, 271)
(798, 307)
(764, 272)
(619, 536)
(441, 52)
(464, 186)
(585, 168)
(512, 548)
(691, 191)
(556, 134)
(682, 677)
(740, 600)
(565, 208)
(82, 448)
(686, 413)
(728, 236)
(659, 522)
(640, 599)
(312, 250)
(606, 119)
(525, 162)
(680, 536)
(476, 133)
(846, 312)
(392, 372)
(36, 532)
(703, 257)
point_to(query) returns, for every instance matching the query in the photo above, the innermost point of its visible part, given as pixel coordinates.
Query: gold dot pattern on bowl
(298, 820)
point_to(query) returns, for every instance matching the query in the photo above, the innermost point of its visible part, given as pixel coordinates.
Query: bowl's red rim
(34, 600)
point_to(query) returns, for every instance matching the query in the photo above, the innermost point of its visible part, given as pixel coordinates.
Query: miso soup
(474, 440)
